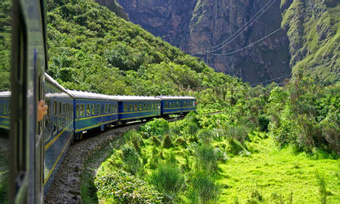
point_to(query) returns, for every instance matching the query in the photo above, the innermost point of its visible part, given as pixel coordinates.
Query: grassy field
(270, 175)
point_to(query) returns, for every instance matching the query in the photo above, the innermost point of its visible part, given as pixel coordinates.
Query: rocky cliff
(196, 26)
(257, 40)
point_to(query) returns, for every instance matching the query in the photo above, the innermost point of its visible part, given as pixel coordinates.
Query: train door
(27, 77)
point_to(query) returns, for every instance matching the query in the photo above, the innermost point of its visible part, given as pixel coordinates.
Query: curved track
(66, 184)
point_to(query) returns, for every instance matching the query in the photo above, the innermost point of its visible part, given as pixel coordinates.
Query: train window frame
(63, 113)
(60, 124)
(5, 110)
(77, 111)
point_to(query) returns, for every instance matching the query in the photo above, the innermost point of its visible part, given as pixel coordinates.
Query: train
(31, 151)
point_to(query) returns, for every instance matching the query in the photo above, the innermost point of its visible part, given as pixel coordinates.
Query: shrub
(167, 142)
(204, 188)
(122, 187)
(168, 179)
(206, 159)
(132, 164)
(206, 135)
(157, 127)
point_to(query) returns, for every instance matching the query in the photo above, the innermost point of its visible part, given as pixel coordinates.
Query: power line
(233, 37)
(250, 45)
(257, 83)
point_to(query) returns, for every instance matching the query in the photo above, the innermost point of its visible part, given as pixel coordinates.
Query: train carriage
(177, 105)
(93, 111)
(58, 127)
(5, 110)
(138, 108)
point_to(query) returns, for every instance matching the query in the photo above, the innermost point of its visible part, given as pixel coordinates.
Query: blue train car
(177, 105)
(5, 110)
(93, 111)
(138, 108)
(58, 127)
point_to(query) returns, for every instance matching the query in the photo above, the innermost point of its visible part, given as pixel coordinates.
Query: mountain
(196, 26)
(259, 41)
(314, 38)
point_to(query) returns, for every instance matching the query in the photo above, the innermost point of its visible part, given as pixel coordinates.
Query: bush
(157, 127)
(204, 188)
(206, 159)
(122, 187)
(132, 164)
(168, 179)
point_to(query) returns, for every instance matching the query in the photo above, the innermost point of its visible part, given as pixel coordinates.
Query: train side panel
(91, 114)
(58, 129)
(134, 109)
(5, 110)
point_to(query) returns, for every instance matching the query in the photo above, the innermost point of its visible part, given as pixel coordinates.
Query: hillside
(308, 40)
(197, 26)
(314, 38)
(92, 49)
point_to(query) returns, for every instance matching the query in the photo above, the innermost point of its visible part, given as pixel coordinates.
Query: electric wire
(242, 29)
(250, 45)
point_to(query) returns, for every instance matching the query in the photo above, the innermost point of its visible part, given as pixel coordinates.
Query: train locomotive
(31, 151)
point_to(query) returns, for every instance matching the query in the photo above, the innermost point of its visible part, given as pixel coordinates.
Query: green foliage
(204, 188)
(131, 159)
(206, 159)
(168, 179)
(122, 187)
(157, 127)
(306, 115)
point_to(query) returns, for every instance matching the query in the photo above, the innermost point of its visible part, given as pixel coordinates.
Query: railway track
(66, 185)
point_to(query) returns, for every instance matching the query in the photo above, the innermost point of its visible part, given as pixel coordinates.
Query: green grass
(278, 175)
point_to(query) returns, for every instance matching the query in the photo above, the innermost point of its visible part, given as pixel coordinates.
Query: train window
(140, 106)
(82, 110)
(166, 104)
(135, 107)
(4, 109)
(77, 111)
(144, 106)
(130, 107)
(55, 108)
(98, 108)
(9, 109)
(93, 109)
(125, 108)
(88, 110)
(1, 109)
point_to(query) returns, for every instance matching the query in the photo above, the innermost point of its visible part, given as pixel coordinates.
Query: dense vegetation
(92, 49)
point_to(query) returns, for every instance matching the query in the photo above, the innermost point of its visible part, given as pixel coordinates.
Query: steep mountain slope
(196, 26)
(92, 49)
(314, 37)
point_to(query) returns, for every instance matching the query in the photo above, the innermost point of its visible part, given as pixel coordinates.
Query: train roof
(176, 97)
(137, 98)
(91, 95)
(55, 83)
(4, 94)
